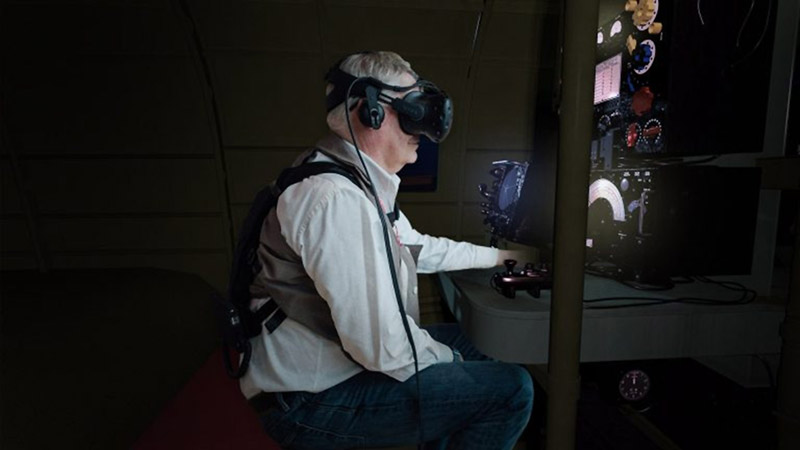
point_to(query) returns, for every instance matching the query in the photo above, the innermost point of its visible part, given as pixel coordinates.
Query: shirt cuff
(486, 257)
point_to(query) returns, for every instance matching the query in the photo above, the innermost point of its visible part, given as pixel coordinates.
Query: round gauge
(645, 14)
(634, 385)
(616, 28)
(644, 56)
(507, 191)
(651, 134)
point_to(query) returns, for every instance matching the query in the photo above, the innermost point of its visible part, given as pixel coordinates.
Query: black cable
(387, 243)
(760, 38)
(616, 276)
(746, 295)
(744, 22)
(668, 162)
(647, 287)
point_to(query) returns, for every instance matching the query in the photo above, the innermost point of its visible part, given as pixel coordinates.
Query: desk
(517, 330)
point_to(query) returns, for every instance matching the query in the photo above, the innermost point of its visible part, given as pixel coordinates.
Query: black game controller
(531, 279)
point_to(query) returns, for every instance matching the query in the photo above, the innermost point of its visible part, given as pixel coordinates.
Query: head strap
(342, 80)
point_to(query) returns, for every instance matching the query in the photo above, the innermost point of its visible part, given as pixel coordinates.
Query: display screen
(509, 189)
(607, 76)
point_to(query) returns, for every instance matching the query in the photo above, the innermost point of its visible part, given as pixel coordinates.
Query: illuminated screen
(607, 76)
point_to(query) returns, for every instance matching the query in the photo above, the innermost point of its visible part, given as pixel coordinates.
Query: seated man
(350, 366)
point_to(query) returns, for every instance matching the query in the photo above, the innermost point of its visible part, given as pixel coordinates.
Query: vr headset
(427, 111)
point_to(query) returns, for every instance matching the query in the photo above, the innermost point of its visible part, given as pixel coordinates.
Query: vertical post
(788, 405)
(566, 315)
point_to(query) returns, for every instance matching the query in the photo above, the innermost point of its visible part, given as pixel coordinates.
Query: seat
(210, 413)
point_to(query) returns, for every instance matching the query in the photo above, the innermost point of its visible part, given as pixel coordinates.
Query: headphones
(427, 111)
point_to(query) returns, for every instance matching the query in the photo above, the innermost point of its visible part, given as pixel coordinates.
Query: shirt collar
(386, 184)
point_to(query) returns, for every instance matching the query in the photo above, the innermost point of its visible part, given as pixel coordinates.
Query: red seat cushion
(210, 412)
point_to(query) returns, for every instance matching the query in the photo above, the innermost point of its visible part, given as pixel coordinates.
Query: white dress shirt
(336, 230)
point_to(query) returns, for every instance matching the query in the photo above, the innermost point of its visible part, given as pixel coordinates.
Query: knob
(642, 101)
(510, 263)
(484, 190)
(603, 124)
(655, 28)
(497, 172)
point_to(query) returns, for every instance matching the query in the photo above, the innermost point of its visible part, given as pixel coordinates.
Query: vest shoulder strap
(237, 323)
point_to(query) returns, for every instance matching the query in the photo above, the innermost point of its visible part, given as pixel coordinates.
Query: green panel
(113, 105)
(433, 219)
(270, 100)
(213, 267)
(271, 26)
(408, 31)
(98, 186)
(134, 233)
(530, 38)
(45, 27)
(15, 236)
(503, 107)
(472, 220)
(251, 170)
(10, 200)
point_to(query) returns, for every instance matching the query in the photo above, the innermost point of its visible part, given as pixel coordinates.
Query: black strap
(275, 321)
(265, 311)
(287, 178)
(394, 214)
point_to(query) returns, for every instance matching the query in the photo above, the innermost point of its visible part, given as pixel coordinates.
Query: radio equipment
(674, 220)
(682, 78)
(502, 200)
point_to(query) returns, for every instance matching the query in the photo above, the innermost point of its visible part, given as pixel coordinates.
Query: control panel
(501, 199)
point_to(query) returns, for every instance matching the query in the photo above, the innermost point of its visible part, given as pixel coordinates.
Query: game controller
(533, 278)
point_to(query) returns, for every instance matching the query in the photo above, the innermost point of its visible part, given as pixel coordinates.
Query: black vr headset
(427, 111)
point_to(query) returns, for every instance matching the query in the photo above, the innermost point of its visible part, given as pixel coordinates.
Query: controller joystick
(510, 264)
(532, 279)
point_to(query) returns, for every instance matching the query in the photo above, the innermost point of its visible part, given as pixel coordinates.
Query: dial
(508, 191)
(643, 56)
(634, 385)
(644, 13)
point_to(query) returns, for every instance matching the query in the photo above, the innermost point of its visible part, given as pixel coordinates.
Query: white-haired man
(350, 366)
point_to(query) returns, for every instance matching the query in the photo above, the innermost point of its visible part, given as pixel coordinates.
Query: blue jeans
(475, 404)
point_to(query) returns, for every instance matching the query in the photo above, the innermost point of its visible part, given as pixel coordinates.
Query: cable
(746, 296)
(642, 163)
(744, 22)
(387, 243)
(700, 14)
(760, 38)
(617, 276)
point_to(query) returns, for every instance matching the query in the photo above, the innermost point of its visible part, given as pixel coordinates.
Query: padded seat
(209, 413)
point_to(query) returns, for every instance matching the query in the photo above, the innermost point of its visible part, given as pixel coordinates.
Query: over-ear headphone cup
(370, 117)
